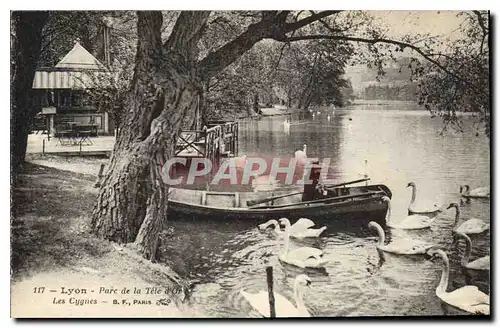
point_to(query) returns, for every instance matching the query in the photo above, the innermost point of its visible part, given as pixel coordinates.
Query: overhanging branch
(308, 20)
(270, 26)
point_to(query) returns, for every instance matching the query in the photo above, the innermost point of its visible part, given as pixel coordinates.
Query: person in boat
(314, 190)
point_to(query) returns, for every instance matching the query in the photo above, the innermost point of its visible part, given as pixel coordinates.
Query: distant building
(60, 93)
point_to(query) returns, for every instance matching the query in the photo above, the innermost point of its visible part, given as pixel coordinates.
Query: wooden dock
(218, 140)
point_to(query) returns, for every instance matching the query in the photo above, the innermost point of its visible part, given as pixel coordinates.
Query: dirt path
(51, 247)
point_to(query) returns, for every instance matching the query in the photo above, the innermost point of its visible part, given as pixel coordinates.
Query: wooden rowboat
(361, 202)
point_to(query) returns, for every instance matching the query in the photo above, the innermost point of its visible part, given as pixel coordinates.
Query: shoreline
(52, 247)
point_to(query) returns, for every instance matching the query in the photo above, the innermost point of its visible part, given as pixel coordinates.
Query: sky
(424, 21)
(400, 23)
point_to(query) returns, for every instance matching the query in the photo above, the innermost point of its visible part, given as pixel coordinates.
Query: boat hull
(361, 207)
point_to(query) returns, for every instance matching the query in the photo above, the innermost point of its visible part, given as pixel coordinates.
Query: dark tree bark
(27, 39)
(132, 203)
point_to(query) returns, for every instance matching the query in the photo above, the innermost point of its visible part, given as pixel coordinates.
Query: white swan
(286, 125)
(263, 183)
(482, 192)
(301, 156)
(299, 230)
(410, 222)
(405, 246)
(482, 263)
(302, 257)
(468, 298)
(420, 207)
(283, 307)
(277, 230)
(469, 227)
(238, 162)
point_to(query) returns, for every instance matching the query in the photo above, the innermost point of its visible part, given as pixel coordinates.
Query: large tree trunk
(132, 203)
(27, 34)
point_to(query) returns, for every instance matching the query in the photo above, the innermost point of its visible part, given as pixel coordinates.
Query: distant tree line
(406, 92)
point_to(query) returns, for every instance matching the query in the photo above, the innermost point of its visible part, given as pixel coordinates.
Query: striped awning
(77, 70)
(63, 79)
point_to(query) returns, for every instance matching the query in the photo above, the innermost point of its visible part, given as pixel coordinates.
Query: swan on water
(405, 246)
(238, 162)
(299, 230)
(302, 257)
(301, 152)
(283, 307)
(269, 223)
(482, 263)
(470, 226)
(286, 125)
(482, 192)
(467, 298)
(420, 207)
(263, 183)
(301, 156)
(410, 222)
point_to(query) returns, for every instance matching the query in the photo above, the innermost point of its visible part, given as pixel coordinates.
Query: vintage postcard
(248, 164)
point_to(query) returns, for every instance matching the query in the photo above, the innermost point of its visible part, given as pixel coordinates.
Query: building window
(76, 99)
(65, 98)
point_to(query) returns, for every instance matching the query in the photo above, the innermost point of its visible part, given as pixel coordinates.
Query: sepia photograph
(230, 164)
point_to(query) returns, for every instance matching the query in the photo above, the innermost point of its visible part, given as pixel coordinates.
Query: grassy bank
(51, 246)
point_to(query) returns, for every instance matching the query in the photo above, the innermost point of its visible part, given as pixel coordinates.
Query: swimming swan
(263, 183)
(238, 163)
(286, 125)
(420, 207)
(482, 192)
(469, 227)
(283, 307)
(302, 257)
(300, 229)
(468, 298)
(482, 263)
(269, 223)
(403, 246)
(410, 222)
(301, 156)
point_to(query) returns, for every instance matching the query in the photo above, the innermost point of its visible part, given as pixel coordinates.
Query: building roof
(75, 71)
(79, 58)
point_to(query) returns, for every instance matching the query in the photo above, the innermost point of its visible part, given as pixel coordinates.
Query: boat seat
(213, 198)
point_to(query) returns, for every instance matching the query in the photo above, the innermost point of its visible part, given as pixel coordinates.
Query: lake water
(399, 145)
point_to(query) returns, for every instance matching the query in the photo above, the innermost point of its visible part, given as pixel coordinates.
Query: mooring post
(43, 146)
(99, 177)
(269, 272)
(366, 172)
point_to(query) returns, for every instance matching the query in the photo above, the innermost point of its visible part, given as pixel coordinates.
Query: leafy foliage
(303, 68)
(462, 86)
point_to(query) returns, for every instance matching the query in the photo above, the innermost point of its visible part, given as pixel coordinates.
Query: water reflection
(400, 146)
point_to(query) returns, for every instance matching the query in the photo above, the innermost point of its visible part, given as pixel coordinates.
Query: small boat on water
(358, 202)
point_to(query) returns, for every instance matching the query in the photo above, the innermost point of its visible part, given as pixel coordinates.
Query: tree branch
(186, 38)
(484, 29)
(308, 20)
(272, 25)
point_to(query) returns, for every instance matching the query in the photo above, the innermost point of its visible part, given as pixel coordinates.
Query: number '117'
(38, 290)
